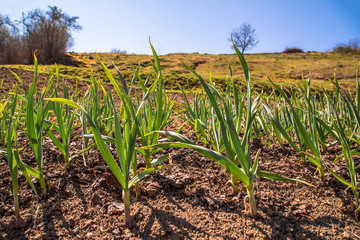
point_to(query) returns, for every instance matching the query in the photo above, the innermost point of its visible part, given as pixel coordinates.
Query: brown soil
(187, 200)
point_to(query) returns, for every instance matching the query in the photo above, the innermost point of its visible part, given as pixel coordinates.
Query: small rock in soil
(346, 235)
(40, 236)
(87, 223)
(179, 184)
(298, 212)
(2, 210)
(95, 200)
(20, 222)
(72, 222)
(115, 209)
(151, 192)
(162, 233)
(4, 191)
(40, 225)
(89, 235)
(153, 189)
(9, 212)
(50, 226)
(37, 237)
(196, 201)
(210, 201)
(275, 234)
(45, 205)
(270, 212)
(304, 206)
(277, 226)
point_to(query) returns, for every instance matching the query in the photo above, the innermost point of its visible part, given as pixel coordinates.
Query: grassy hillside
(285, 69)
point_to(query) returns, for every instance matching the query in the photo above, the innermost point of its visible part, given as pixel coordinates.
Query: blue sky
(202, 26)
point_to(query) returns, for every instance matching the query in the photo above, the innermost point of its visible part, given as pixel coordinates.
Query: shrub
(352, 46)
(48, 33)
(118, 51)
(293, 50)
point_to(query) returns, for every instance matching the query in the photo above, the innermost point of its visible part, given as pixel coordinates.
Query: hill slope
(285, 69)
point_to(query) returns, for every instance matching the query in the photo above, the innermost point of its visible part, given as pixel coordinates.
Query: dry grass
(284, 69)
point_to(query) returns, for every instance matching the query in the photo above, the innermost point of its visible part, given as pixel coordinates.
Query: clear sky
(202, 26)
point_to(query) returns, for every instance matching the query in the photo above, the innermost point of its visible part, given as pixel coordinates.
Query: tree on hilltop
(48, 32)
(244, 37)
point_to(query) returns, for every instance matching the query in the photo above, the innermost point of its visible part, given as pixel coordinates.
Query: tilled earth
(190, 199)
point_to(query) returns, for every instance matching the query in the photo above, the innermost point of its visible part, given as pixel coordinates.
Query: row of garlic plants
(309, 122)
(56, 110)
(224, 122)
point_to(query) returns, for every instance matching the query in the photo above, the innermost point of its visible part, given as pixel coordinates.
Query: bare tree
(49, 33)
(5, 37)
(244, 37)
(10, 41)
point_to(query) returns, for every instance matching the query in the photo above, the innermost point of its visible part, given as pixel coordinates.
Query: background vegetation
(46, 32)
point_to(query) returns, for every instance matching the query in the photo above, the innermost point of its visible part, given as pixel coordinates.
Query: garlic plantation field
(127, 158)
